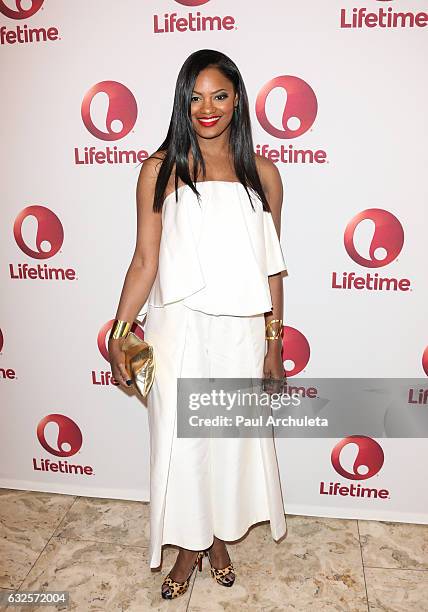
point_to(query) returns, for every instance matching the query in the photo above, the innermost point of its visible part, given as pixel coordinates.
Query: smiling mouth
(208, 121)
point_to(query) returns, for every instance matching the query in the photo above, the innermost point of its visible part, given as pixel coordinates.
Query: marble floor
(97, 550)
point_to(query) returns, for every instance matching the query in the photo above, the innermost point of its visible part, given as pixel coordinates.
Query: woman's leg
(187, 519)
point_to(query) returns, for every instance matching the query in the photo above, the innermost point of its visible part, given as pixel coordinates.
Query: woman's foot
(181, 569)
(220, 560)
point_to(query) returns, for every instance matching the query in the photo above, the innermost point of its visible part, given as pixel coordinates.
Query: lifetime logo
(286, 108)
(109, 112)
(5, 373)
(356, 458)
(382, 17)
(39, 234)
(24, 34)
(425, 361)
(105, 378)
(373, 238)
(60, 436)
(295, 351)
(172, 22)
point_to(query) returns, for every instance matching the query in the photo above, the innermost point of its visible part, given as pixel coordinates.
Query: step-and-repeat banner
(338, 96)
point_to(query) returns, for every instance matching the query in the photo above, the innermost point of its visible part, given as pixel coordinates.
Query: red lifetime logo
(118, 107)
(66, 433)
(376, 231)
(19, 12)
(192, 2)
(295, 349)
(367, 462)
(425, 361)
(300, 109)
(44, 229)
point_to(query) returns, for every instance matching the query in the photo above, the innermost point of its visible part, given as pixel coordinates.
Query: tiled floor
(97, 550)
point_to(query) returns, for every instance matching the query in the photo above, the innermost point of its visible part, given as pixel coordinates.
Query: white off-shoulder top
(216, 256)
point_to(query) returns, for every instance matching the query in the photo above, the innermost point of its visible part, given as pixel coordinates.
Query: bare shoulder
(147, 178)
(269, 175)
(270, 178)
(150, 167)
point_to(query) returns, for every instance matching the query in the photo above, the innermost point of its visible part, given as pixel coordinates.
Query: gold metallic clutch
(139, 362)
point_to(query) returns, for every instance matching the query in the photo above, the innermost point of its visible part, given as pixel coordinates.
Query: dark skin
(213, 95)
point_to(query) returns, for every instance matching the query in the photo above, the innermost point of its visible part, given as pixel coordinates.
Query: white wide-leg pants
(201, 487)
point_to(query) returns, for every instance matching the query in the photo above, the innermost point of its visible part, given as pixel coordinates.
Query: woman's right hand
(117, 362)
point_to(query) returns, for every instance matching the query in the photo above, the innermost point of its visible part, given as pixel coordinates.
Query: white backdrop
(347, 105)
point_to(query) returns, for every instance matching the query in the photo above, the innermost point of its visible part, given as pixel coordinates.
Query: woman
(206, 274)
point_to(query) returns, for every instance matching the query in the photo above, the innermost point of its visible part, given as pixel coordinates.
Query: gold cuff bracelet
(272, 335)
(120, 329)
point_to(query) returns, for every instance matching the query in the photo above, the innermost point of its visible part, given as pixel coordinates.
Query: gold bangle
(273, 335)
(120, 329)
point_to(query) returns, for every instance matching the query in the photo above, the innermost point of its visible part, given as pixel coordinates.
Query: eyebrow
(217, 90)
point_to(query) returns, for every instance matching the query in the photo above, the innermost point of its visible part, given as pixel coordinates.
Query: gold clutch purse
(139, 362)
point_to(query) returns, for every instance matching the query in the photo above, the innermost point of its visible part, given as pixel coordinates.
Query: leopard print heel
(224, 576)
(174, 589)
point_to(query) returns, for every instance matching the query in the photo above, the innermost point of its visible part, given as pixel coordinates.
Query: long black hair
(181, 136)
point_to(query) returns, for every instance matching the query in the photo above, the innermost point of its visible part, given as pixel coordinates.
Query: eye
(222, 96)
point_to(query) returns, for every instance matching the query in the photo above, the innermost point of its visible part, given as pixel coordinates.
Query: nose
(207, 106)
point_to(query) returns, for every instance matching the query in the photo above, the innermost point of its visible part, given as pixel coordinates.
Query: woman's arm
(142, 270)
(272, 185)
(143, 267)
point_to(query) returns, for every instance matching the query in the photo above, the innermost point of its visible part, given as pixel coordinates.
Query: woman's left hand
(273, 368)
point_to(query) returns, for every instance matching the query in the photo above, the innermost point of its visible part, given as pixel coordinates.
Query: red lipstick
(208, 121)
